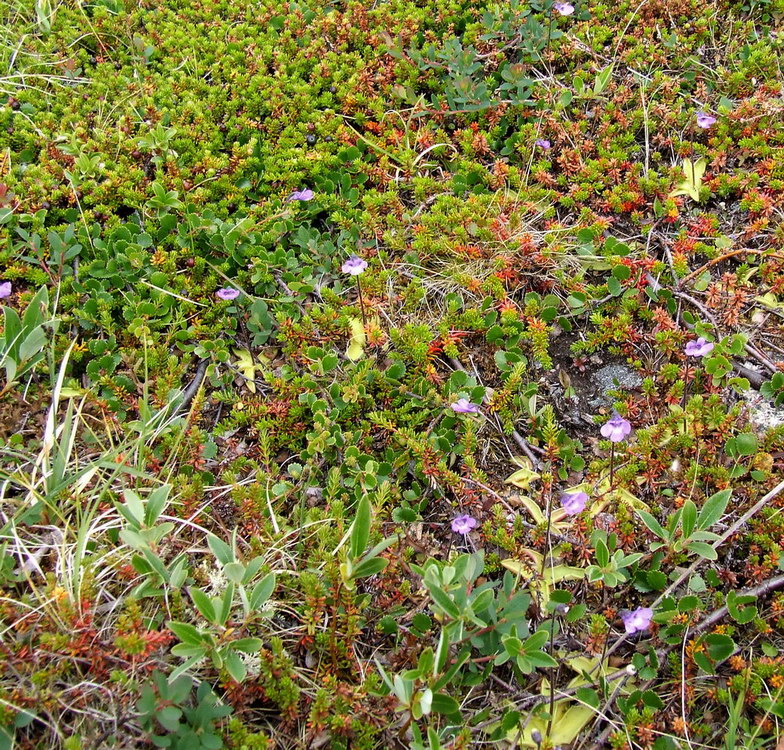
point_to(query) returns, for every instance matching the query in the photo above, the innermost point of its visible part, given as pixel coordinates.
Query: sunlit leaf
(693, 172)
(523, 477)
(247, 368)
(532, 508)
(356, 344)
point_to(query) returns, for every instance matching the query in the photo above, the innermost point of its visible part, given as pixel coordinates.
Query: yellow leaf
(550, 576)
(524, 567)
(569, 719)
(247, 368)
(693, 172)
(523, 477)
(587, 664)
(568, 726)
(356, 345)
(66, 392)
(532, 508)
(570, 716)
(563, 573)
(622, 495)
(770, 300)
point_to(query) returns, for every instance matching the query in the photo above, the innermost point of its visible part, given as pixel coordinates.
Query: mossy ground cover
(391, 374)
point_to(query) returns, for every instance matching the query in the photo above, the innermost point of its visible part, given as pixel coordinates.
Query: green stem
(549, 31)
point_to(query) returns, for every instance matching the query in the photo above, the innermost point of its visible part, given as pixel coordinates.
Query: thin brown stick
(724, 256)
(756, 379)
(772, 584)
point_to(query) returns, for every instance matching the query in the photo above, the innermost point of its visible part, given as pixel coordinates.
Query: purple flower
(565, 9)
(463, 524)
(616, 429)
(354, 265)
(5, 289)
(543, 143)
(301, 195)
(573, 502)
(699, 348)
(464, 406)
(227, 293)
(638, 620)
(704, 120)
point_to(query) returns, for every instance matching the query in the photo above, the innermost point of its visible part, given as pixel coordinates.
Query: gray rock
(611, 378)
(763, 415)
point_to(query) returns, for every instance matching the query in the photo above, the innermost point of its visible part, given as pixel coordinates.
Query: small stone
(763, 415)
(611, 378)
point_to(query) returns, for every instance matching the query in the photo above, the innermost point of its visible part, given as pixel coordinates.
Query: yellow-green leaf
(693, 172)
(622, 495)
(523, 477)
(586, 664)
(524, 567)
(569, 718)
(550, 576)
(532, 508)
(770, 300)
(568, 726)
(247, 368)
(356, 345)
(563, 573)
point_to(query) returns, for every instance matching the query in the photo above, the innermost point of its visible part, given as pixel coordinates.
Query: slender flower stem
(555, 679)
(549, 31)
(612, 463)
(361, 302)
(549, 554)
(549, 523)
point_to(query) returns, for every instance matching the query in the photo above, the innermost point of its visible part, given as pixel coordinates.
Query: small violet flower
(617, 429)
(464, 406)
(704, 120)
(699, 348)
(543, 143)
(573, 502)
(301, 195)
(5, 289)
(227, 294)
(463, 524)
(638, 620)
(565, 9)
(354, 265)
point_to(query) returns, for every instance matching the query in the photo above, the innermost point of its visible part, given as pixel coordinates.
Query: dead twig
(725, 256)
